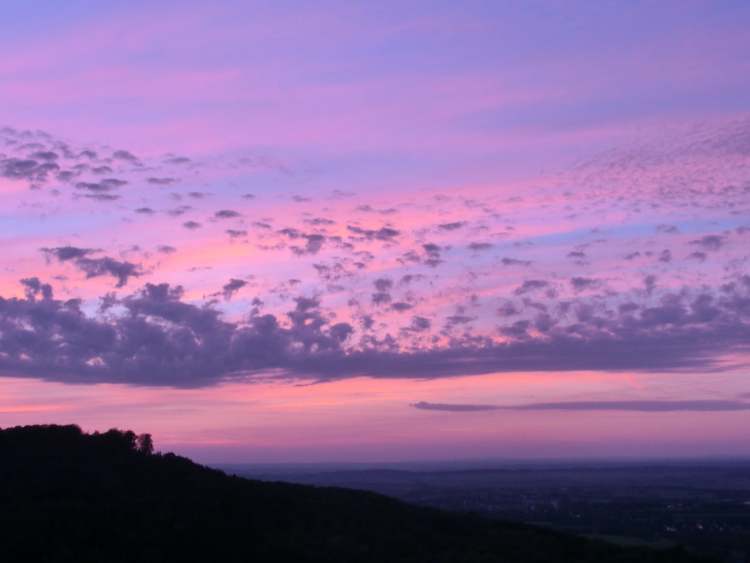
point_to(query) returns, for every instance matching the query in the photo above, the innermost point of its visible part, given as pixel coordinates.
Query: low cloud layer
(154, 337)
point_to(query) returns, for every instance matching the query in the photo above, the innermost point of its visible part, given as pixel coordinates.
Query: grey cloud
(419, 324)
(44, 155)
(452, 226)
(125, 155)
(508, 309)
(105, 185)
(710, 242)
(383, 234)
(232, 287)
(313, 242)
(383, 284)
(583, 284)
(161, 181)
(236, 233)
(65, 253)
(122, 270)
(94, 267)
(27, 169)
(381, 298)
(177, 160)
(634, 406)
(667, 229)
(34, 287)
(157, 339)
(102, 197)
(320, 221)
(479, 246)
(160, 340)
(227, 214)
(423, 405)
(515, 262)
(433, 252)
(530, 285)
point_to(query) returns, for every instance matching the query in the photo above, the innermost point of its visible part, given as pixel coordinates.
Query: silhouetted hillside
(69, 496)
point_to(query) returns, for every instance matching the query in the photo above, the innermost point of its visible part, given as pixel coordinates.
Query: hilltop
(68, 496)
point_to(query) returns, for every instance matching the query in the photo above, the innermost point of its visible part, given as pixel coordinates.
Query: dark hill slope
(68, 496)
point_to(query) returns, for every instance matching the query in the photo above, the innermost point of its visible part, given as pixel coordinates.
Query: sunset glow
(282, 232)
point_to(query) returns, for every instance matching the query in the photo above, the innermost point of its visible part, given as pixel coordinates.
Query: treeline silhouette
(67, 496)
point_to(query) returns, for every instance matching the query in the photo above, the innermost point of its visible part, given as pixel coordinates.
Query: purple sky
(296, 232)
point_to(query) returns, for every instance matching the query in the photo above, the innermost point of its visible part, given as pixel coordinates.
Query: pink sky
(266, 232)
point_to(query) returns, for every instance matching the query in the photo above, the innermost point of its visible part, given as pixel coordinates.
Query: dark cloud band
(634, 406)
(156, 338)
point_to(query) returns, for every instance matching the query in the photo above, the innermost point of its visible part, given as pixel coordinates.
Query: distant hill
(66, 496)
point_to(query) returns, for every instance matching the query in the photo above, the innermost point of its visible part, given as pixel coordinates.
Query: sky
(339, 231)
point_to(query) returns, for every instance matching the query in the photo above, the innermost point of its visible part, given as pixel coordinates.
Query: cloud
(583, 284)
(530, 285)
(122, 270)
(514, 262)
(177, 160)
(227, 214)
(65, 253)
(102, 197)
(710, 242)
(634, 406)
(382, 234)
(422, 405)
(561, 320)
(167, 181)
(159, 339)
(232, 287)
(236, 233)
(383, 284)
(103, 186)
(95, 267)
(35, 288)
(27, 169)
(313, 242)
(479, 246)
(455, 225)
(419, 324)
(125, 155)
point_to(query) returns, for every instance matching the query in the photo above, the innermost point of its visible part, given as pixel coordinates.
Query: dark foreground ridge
(70, 496)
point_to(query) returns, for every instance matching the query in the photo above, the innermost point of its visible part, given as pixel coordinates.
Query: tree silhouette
(145, 444)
